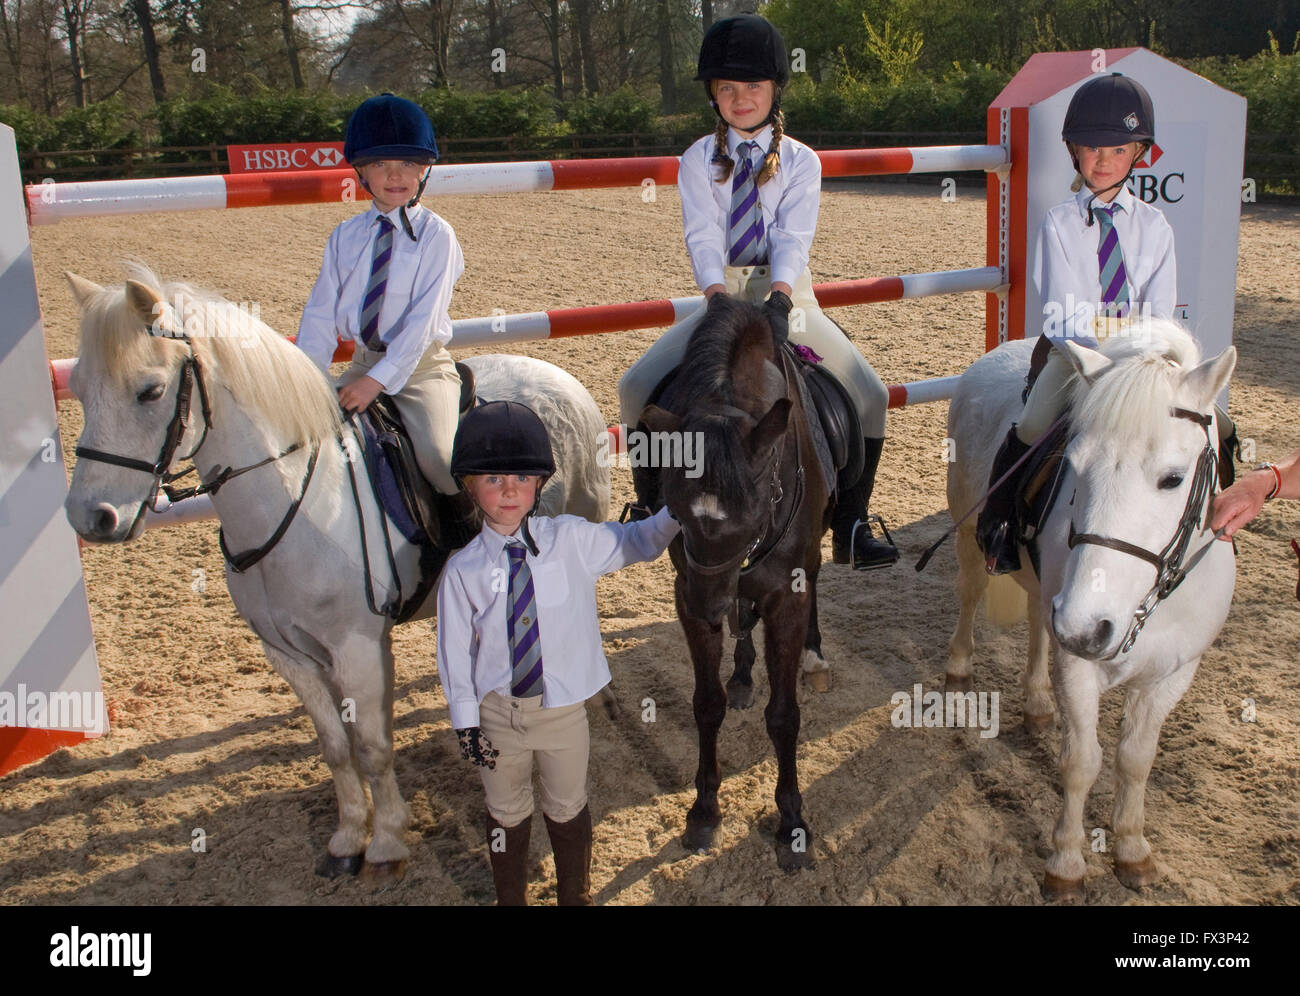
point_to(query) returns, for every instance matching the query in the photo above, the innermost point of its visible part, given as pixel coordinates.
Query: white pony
(1130, 519)
(257, 402)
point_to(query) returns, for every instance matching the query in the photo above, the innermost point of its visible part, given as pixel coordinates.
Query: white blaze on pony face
(1133, 465)
(127, 381)
(708, 507)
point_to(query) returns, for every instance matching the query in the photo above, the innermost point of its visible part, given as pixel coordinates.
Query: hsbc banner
(286, 157)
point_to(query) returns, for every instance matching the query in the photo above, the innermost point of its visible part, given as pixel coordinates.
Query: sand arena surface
(206, 735)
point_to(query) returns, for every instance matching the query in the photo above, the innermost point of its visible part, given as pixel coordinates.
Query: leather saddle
(421, 514)
(1039, 488)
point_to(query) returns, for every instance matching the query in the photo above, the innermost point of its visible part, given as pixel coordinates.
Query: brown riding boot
(572, 845)
(508, 851)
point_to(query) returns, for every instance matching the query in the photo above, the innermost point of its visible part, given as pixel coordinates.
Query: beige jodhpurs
(819, 333)
(429, 403)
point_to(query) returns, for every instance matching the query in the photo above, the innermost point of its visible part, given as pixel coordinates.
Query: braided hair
(771, 161)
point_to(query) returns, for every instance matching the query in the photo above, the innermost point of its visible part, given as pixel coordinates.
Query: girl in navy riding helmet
(750, 196)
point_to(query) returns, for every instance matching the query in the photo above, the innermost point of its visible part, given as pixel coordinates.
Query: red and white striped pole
(50, 202)
(596, 319)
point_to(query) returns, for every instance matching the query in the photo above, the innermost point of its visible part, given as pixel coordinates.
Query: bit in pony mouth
(947, 710)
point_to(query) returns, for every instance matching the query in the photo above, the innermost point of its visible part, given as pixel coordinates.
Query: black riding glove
(474, 746)
(777, 310)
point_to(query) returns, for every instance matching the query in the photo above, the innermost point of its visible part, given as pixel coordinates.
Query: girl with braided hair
(750, 196)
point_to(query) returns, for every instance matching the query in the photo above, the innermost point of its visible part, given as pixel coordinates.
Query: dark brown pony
(752, 522)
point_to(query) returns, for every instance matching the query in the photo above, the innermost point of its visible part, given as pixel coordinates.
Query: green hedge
(957, 101)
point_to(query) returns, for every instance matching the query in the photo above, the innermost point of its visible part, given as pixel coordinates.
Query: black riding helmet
(747, 48)
(1110, 110)
(502, 437)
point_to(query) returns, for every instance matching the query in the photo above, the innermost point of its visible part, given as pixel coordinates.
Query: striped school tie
(525, 637)
(745, 236)
(1110, 263)
(374, 299)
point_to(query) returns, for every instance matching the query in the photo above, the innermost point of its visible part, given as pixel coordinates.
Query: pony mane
(273, 381)
(726, 350)
(1132, 398)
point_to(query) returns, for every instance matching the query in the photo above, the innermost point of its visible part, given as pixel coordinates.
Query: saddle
(438, 524)
(1040, 486)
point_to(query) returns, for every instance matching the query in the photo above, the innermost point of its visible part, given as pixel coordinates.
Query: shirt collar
(394, 216)
(1124, 199)
(538, 527)
(735, 138)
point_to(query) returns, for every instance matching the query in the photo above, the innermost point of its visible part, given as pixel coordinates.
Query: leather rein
(192, 377)
(1170, 570)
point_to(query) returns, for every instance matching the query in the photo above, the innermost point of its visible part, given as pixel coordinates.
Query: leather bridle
(1170, 570)
(191, 377)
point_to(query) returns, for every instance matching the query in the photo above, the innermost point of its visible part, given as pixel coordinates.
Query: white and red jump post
(1194, 175)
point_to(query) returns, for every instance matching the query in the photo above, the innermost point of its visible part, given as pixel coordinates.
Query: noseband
(1168, 563)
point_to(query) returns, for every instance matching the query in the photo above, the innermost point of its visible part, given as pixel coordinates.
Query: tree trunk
(582, 11)
(667, 77)
(290, 43)
(553, 30)
(494, 43)
(13, 38)
(73, 21)
(144, 15)
(706, 8)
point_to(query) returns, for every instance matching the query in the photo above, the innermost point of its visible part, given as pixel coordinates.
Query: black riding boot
(850, 521)
(1229, 447)
(998, 528)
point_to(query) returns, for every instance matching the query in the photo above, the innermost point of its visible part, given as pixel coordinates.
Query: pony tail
(721, 160)
(772, 161)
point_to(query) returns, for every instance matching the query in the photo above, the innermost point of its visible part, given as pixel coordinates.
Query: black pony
(753, 512)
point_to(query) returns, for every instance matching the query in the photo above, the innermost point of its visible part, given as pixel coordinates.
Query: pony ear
(152, 309)
(769, 429)
(82, 289)
(1210, 377)
(659, 420)
(1088, 363)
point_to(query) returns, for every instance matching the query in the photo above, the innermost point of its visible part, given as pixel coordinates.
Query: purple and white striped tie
(521, 620)
(374, 299)
(1110, 265)
(745, 237)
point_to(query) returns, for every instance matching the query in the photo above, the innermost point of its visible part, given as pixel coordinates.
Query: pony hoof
(1062, 890)
(332, 866)
(698, 837)
(740, 696)
(383, 873)
(1036, 725)
(1136, 874)
(957, 683)
(818, 681)
(794, 854)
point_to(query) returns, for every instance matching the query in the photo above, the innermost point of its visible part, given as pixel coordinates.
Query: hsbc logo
(287, 157)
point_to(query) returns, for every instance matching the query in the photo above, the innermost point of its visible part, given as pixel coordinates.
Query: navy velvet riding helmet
(1110, 110)
(502, 437)
(389, 127)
